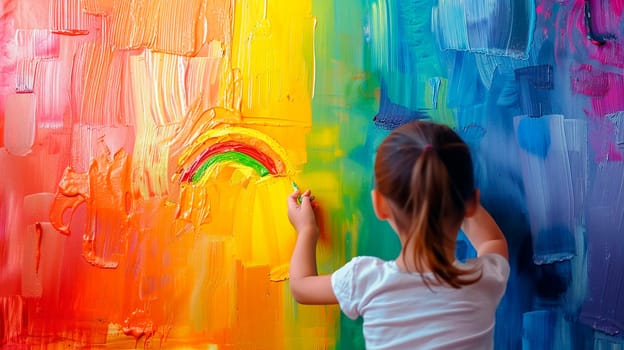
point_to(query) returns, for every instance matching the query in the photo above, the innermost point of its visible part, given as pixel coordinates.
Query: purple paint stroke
(606, 93)
(602, 136)
(603, 308)
(617, 119)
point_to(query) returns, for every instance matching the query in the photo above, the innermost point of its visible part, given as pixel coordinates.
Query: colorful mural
(147, 148)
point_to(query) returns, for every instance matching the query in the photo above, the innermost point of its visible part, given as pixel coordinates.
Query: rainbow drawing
(238, 147)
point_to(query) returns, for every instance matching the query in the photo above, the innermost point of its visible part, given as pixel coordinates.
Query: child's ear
(380, 205)
(473, 203)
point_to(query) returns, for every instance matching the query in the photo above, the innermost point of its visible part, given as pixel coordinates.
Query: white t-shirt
(400, 312)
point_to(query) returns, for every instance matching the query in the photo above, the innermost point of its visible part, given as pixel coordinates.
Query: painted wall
(147, 148)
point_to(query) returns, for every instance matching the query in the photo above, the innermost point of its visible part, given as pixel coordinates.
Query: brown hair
(425, 171)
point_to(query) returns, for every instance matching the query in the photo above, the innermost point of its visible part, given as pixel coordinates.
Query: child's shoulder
(493, 266)
(368, 259)
(497, 261)
(365, 260)
(361, 266)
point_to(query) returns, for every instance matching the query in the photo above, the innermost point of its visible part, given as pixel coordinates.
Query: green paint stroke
(339, 144)
(231, 156)
(359, 44)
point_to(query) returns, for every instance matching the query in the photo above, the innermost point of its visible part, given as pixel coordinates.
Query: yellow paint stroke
(438, 109)
(273, 48)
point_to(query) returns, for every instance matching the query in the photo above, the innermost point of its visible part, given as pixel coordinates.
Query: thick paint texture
(148, 146)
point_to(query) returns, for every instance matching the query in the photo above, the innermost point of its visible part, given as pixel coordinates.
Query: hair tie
(428, 147)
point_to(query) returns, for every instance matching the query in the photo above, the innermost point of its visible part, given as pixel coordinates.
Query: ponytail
(432, 203)
(425, 170)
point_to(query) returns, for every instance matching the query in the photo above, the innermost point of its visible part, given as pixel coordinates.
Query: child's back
(424, 299)
(401, 312)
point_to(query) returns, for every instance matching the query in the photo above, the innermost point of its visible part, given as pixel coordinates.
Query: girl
(425, 299)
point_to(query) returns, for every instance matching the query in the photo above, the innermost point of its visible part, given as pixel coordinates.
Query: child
(425, 299)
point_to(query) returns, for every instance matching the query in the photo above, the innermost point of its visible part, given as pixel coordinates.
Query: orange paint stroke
(105, 190)
(175, 27)
(68, 17)
(99, 7)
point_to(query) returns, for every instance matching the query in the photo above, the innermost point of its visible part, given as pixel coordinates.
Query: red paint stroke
(140, 326)
(228, 147)
(73, 190)
(588, 81)
(38, 232)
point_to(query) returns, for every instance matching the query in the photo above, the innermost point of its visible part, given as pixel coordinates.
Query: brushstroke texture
(548, 185)
(126, 90)
(493, 27)
(119, 103)
(402, 49)
(604, 308)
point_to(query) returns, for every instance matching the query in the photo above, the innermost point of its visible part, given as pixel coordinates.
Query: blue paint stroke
(606, 342)
(577, 143)
(603, 308)
(465, 87)
(498, 176)
(547, 178)
(533, 136)
(403, 50)
(553, 280)
(617, 119)
(550, 329)
(537, 330)
(392, 115)
(470, 124)
(510, 94)
(435, 84)
(495, 27)
(535, 83)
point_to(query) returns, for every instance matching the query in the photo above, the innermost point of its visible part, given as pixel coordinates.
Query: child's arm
(305, 284)
(484, 234)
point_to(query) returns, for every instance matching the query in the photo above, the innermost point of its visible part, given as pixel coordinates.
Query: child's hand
(301, 214)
